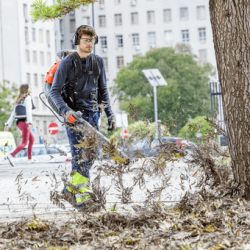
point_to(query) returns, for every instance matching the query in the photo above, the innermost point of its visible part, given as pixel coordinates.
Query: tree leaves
(41, 11)
(185, 77)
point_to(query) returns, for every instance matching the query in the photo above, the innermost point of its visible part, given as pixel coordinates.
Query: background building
(125, 28)
(130, 27)
(27, 51)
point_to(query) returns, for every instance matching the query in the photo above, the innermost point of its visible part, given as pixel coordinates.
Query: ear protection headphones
(75, 37)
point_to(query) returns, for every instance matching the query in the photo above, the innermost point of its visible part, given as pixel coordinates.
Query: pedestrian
(23, 122)
(84, 94)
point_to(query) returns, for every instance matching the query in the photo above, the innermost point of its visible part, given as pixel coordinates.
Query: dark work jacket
(85, 84)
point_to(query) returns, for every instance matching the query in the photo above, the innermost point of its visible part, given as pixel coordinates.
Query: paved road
(26, 185)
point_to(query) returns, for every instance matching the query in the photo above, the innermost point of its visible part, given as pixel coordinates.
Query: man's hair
(86, 30)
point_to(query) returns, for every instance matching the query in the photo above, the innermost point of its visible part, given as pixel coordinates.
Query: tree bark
(231, 35)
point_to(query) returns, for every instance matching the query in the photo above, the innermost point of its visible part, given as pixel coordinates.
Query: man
(83, 97)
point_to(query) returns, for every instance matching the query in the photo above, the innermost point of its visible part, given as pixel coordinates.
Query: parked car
(40, 153)
(144, 146)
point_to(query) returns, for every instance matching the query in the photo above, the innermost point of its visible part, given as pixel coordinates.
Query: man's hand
(30, 126)
(72, 116)
(6, 128)
(111, 123)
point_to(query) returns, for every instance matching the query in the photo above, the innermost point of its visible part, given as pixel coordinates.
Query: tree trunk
(231, 35)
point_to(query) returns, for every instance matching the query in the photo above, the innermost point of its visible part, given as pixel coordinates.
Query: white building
(27, 51)
(129, 27)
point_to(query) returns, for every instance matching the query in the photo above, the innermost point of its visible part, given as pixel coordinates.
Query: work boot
(11, 160)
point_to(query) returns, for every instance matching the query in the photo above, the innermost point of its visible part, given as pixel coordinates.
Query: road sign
(125, 134)
(154, 74)
(155, 79)
(121, 120)
(198, 135)
(53, 128)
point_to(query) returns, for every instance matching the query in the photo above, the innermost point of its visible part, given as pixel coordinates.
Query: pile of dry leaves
(212, 217)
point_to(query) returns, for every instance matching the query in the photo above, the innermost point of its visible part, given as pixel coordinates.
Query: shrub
(199, 120)
(141, 128)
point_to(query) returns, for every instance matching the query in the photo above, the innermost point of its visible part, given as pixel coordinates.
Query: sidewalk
(27, 188)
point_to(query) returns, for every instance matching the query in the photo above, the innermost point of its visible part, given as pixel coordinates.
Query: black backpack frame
(68, 89)
(68, 93)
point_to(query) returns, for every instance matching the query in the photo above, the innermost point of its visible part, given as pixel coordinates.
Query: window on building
(135, 39)
(37, 102)
(38, 122)
(201, 12)
(151, 38)
(101, 1)
(168, 37)
(72, 25)
(28, 78)
(48, 36)
(62, 44)
(118, 19)
(86, 20)
(33, 34)
(26, 33)
(151, 16)
(35, 80)
(185, 36)
(41, 36)
(103, 40)
(102, 21)
(34, 57)
(49, 59)
(25, 11)
(45, 126)
(61, 25)
(119, 41)
(117, 1)
(41, 58)
(134, 18)
(184, 13)
(42, 79)
(203, 54)
(202, 34)
(120, 62)
(27, 56)
(72, 13)
(167, 15)
(105, 59)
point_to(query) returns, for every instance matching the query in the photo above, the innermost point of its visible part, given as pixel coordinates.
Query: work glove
(111, 123)
(72, 117)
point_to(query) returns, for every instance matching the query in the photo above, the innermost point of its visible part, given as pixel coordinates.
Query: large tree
(187, 93)
(231, 34)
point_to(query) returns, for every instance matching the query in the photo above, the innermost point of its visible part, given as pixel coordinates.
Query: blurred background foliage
(187, 94)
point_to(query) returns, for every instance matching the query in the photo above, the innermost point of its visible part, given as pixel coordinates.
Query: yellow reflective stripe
(84, 185)
(81, 198)
(80, 183)
(79, 179)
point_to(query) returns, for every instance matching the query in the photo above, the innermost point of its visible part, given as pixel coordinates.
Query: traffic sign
(125, 134)
(121, 120)
(53, 128)
(198, 135)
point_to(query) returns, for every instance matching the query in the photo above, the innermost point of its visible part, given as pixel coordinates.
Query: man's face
(85, 45)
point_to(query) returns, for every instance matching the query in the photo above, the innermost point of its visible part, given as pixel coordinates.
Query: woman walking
(23, 122)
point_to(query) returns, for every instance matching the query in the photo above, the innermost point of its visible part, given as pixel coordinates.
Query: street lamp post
(155, 79)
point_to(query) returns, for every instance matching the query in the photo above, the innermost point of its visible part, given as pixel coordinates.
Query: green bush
(141, 128)
(199, 120)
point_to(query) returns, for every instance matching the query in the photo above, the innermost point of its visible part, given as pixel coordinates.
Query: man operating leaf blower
(79, 87)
